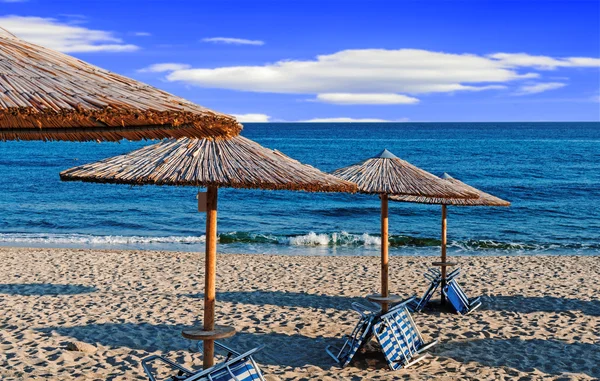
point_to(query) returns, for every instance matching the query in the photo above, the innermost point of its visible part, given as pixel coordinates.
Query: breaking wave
(312, 239)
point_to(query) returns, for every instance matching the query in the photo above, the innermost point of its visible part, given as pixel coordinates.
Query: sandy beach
(540, 318)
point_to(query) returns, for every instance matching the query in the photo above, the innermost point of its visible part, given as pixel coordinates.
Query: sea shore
(540, 318)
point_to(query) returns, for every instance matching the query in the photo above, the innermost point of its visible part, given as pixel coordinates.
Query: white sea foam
(333, 239)
(84, 239)
(310, 239)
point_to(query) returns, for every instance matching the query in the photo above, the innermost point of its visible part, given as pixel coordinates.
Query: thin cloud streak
(252, 118)
(537, 88)
(543, 62)
(366, 99)
(233, 41)
(164, 67)
(351, 120)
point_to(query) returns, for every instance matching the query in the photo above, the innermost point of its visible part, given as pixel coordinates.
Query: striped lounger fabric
(240, 371)
(400, 339)
(459, 300)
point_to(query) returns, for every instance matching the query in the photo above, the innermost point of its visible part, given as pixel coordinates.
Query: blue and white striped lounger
(459, 300)
(360, 336)
(435, 278)
(400, 339)
(238, 367)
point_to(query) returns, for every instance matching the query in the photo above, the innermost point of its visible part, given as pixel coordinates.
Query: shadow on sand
(516, 303)
(41, 289)
(280, 349)
(549, 356)
(528, 304)
(287, 299)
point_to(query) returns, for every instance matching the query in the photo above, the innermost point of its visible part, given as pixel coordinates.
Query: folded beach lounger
(459, 300)
(237, 367)
(435, 278)
(400, 339)
(360, 336)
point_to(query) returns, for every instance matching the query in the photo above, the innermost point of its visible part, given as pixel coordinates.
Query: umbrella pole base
(208, 355)
(384, 301)
(208, 337)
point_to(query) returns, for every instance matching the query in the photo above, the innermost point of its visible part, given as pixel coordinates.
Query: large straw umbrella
(386, 174)
(483, 199)
(47, 95)
(212, 163)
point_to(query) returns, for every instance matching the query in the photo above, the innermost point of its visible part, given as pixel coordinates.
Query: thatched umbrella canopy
(386, 174)
(483, 199)
(212, 163)
(233, 163)
(48, 95)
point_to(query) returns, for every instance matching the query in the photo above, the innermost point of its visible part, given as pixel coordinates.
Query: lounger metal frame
(360, 336)
(209, 374)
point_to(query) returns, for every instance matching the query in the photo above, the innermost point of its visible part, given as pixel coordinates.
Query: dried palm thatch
(484, 199)
(385, 173)
(236, 163)
(47, 95)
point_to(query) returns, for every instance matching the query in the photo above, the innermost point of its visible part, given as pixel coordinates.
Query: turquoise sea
(549, 171)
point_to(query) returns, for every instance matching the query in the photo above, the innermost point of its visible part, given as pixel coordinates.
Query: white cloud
(142, 34)
(163, 67)
(252, 118)
(407, 71)
(543, 62)
(366, 76)
(379, 76)
(351, 120)
(233, 41)
(64, 37)
(539, 88)
(365, 99)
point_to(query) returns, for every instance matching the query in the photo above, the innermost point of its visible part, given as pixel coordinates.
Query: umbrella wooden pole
(444, 226)
(384, 250)
(210, 274)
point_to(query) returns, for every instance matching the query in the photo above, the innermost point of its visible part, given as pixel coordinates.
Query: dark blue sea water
(549, 171)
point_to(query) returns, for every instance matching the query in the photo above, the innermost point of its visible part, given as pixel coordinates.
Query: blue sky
(340, 60)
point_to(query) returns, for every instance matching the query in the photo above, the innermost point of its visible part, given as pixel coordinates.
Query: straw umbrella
(211, 163)
(386, 174)
(47, 95)
(483, 199)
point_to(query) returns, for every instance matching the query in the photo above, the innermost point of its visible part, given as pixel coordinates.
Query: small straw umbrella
(48, 95)
(483, 199)
(211, 163)
(386, 174)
